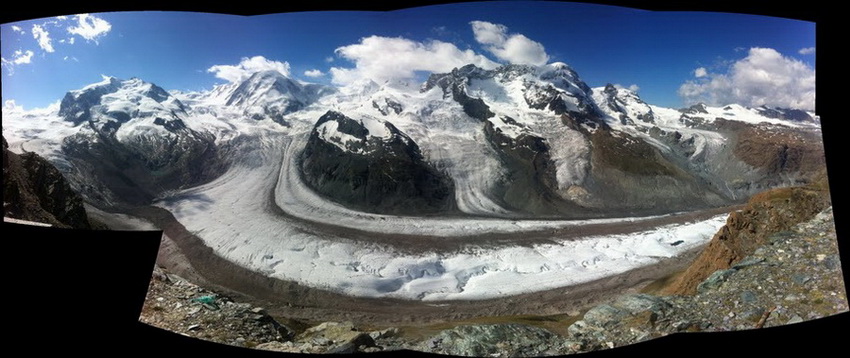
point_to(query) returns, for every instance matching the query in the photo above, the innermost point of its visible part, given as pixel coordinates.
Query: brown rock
(766, 213)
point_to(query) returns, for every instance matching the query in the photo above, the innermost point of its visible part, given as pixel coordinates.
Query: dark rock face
(371, 173)
(137, 171)
(695, 109)
(454, 84)
(530, 184)
(795, 115)
(387, 106)
(34, 190)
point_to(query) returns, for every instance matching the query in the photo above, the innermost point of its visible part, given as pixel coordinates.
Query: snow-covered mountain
(274, 174)
(133, 142)
(517, 140)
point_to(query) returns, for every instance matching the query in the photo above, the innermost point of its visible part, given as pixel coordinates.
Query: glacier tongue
(226, 214)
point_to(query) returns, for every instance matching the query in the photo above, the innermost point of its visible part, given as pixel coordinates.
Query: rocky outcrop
(382, 172)
(746, 229)
(497, 340)
(794, 276)
(179, 306)
(34, 190)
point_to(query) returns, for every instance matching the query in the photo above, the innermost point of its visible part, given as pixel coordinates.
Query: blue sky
(671, 58)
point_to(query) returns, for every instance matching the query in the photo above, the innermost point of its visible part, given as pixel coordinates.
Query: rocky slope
(793, 277)
(747, 229)
(34, 190)
(370, 165)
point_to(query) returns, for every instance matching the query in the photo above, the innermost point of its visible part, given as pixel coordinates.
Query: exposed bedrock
(374, 172)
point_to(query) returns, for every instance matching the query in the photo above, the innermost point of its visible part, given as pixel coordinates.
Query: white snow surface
(232, 215)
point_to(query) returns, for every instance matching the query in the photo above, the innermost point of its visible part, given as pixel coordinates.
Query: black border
(81, 291)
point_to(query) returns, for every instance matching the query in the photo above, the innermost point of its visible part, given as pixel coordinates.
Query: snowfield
(235, 215)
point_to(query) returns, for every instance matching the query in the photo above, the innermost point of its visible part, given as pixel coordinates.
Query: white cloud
(807, 51)
(314, 73)
(247, 67)
(43, 37)
(633, 88)
(18, 30)
(90, 27)
(764, 77)
(20, 58)
(384, 58)
(11, 107)
(700, 72)
(514, 48)
(488, 33)
(329, 59)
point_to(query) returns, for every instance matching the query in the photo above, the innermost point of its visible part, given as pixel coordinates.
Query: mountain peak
(113, 95)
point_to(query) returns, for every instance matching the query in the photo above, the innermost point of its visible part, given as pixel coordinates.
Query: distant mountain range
(516, 141)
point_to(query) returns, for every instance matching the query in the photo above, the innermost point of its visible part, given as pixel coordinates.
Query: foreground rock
(498, 340)
(182, 307)
(34, 190)
(795, 276)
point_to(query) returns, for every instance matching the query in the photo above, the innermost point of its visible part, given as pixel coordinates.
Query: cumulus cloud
(43, 37)
(90, 27)
(700, 72)
(807, 51)
(20, 58)
(314, 73)
(633, 88)
(18, 29)
(9, 106)
(385, 58)
(248, 66)
(513, 48)
(764, 77)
